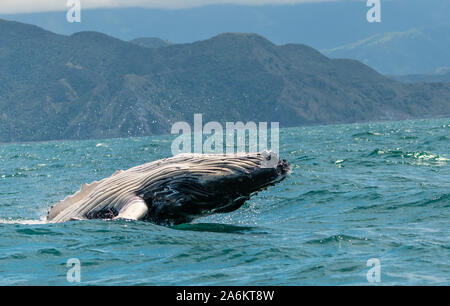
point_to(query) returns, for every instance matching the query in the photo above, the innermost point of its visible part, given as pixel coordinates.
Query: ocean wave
(420, 156)
(440, 199)
(366, 134)
(339, 238)
(23, 221)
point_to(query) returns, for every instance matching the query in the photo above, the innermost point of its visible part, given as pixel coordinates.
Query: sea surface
(356, 192)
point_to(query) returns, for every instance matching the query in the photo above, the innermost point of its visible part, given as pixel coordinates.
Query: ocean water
(356, 192)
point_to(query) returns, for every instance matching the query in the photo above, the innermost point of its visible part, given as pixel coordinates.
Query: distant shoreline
(168, 134)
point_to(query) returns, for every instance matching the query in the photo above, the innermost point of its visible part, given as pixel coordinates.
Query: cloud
(29, 6)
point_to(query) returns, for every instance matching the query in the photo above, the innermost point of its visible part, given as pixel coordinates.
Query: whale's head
(190, 186)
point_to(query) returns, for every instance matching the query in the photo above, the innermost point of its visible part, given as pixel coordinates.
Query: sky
(317, 23)
(32, 6)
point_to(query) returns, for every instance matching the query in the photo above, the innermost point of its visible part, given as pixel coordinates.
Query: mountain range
(150, 42)
(91, 85)
(442, 76)
(415, 51)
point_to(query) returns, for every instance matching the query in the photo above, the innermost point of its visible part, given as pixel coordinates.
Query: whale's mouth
(242, 189)
(282, 169)
(219, 186)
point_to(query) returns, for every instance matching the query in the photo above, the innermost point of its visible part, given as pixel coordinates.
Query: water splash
(42, 220)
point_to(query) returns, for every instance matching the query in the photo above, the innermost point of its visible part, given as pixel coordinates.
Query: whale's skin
(174, 190)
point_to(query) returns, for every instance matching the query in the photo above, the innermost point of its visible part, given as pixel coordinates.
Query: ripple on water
(356, 192)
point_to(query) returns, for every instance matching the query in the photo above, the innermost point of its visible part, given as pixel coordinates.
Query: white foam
(24, 221)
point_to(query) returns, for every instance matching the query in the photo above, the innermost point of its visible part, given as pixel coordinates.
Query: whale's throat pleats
(71, 200)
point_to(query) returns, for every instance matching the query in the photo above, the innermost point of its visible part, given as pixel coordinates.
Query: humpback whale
(174, 190)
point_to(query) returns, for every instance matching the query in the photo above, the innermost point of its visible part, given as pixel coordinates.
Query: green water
(356, 192)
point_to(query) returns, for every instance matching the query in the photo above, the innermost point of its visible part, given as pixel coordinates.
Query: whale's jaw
(175, 190)
(227, 182)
